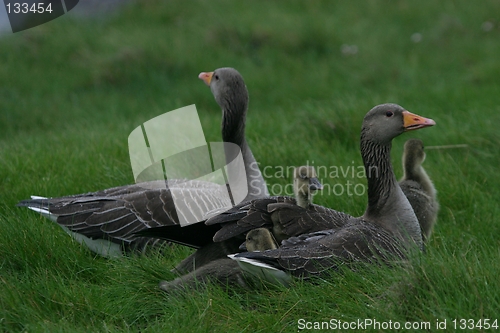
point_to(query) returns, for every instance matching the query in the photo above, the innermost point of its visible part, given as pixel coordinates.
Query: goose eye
(216, 76)
(389, 113)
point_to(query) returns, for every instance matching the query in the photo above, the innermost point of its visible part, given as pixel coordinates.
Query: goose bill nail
(412, 121)
(206, 77)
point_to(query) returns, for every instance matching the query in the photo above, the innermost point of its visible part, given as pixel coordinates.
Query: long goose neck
(233, 123)
(387, 205)
(233, 130)
(380, 175)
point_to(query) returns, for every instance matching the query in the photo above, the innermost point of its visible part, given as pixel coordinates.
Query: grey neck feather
(233, 130)
(233, 120)
(387, 205)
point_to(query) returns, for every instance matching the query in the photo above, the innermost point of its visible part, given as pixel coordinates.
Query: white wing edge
(262, 270)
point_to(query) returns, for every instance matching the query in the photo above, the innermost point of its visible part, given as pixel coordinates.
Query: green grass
(71, 91)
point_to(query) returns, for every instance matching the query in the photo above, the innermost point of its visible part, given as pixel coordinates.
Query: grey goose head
(386, 121)
(230, 92)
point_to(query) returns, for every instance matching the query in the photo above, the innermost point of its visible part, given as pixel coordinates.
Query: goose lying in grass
(106, 221)
(387, 231)
(418, 187)
(388, 228)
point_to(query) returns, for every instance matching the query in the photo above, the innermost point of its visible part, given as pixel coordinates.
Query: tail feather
(45, 213)
(36, 197)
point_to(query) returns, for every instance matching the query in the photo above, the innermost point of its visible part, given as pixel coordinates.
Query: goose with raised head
(387, 230)
(107, 221)
(231, 94)
(418, 187)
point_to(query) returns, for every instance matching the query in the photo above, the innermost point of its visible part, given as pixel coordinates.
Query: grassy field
(71, 91)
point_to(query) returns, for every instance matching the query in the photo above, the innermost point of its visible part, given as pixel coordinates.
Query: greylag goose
(418, 187)
(387, 230)
(107, 221)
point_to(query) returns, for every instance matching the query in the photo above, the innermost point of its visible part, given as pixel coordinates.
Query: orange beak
(206, 77)
(412, 121)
